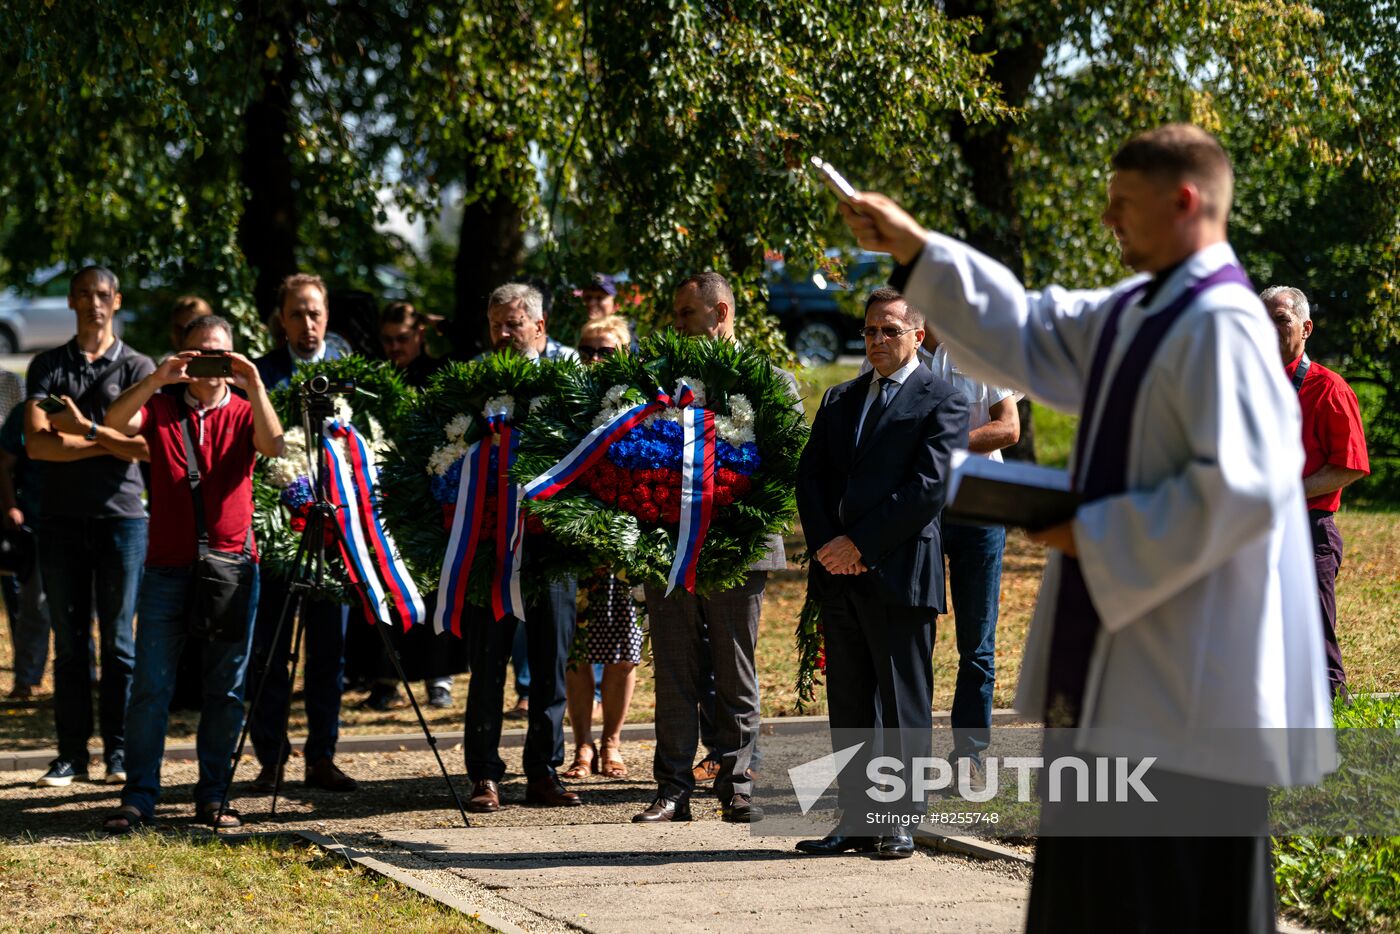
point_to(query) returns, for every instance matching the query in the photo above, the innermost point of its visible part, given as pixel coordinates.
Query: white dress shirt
(899, 376)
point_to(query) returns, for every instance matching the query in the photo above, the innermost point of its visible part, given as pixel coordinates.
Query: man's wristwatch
(91, 432)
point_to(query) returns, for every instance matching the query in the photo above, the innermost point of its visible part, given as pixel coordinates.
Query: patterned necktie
(877, 409)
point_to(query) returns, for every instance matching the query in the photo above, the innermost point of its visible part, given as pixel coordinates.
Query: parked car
(37, 317)
(821, 310)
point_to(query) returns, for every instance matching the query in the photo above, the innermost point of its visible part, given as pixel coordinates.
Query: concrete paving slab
(707, 876)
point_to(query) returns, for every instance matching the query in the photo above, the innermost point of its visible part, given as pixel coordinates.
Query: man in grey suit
(684, 625)
(870, 487)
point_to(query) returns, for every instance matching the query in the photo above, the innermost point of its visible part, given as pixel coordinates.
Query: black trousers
(879, 676)
(1150, 884)
(549, 628)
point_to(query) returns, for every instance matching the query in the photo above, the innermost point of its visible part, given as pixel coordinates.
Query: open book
(988, 492)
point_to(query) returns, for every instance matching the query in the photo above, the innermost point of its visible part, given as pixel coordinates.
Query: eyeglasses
(888, 333)
(595, 353)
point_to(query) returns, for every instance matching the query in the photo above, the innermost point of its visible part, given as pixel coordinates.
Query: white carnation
(737, 427)
(282, 472)
(501, 405)
(459, 426)
(444, 457)
(614, 403)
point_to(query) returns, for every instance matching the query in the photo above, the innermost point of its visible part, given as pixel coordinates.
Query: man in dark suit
(870, 486)
(303, 317)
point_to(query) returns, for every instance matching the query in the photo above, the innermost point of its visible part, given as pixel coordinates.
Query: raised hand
(882, 226)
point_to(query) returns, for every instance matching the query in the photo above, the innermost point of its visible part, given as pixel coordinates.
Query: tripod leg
(418, 712)
(293, 655)
(290, 605)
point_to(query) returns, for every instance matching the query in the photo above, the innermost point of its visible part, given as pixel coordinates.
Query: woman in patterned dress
(608, 634)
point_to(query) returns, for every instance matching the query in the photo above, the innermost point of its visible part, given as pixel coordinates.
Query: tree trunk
(490, 251)
(267, 231)
(996, 229)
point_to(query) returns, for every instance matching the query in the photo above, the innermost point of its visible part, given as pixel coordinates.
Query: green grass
(159, 882)
(1347, 883)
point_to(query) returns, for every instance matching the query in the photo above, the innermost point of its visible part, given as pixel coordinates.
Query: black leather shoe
(834, 844)
(741, 810)
(664, 810)
(898, 845)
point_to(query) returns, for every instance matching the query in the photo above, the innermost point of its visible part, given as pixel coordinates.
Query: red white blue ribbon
(370, 555)
(467, 532)
(466, 535)
(596, 443)
(698, 455)
(510, 529)
(698, 463)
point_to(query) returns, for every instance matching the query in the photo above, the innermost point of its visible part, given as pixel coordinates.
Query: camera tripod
(307, 576)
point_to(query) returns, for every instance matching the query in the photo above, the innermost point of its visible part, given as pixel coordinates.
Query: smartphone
(834, 180)
(208, 365)
(52, 404)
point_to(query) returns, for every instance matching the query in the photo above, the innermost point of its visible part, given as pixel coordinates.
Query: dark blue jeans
(974, 575)
(324, 663)
(91, 564)
(550, 626)
(160, 638)
(28, 610)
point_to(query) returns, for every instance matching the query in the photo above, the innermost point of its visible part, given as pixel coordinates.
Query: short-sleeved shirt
(27, 480)
(226, 453)
(95, 487)
(1332, 432)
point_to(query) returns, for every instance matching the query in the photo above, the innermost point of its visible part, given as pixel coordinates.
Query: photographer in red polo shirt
(1334, 448)
(226, 433)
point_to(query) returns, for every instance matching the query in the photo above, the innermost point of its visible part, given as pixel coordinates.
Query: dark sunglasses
(889, 333)
(595, 353)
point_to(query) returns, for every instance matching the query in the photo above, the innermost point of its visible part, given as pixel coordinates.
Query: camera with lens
(323, 385)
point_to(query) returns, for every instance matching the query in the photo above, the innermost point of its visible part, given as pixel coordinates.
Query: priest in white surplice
(1178, 613)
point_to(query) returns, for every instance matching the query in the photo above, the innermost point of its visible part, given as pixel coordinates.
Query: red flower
(298, 524)
(647, 512)
(724, 496)
(642, 493)
(626, 501)
(533, 525)
(671, 513)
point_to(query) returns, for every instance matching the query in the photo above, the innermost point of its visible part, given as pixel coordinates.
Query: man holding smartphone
(92, 526)
(225, 432)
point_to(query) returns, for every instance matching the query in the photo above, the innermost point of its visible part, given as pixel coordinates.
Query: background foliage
(216, 145)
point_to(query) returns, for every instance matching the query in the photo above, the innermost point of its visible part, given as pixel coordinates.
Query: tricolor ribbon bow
(369, 552)
(467, 531)
(698, 462)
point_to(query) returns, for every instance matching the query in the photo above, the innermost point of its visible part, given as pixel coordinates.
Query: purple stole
(1102, 472)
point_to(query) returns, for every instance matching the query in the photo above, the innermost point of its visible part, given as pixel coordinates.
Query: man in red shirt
(1334, 448)
(227, 431)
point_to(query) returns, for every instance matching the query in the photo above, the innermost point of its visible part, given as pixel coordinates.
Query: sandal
(122, 821)
(612, 765)
(208, 814)
(581, 767)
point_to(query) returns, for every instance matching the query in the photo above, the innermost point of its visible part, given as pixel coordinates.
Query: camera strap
(192, 472)
(85, 396)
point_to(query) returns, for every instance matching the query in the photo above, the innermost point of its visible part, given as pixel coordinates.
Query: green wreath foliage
(379, 400)
(415, 517)
(738, 535)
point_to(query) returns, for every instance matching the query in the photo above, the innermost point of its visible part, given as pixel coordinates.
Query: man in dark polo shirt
(1334, 452)
(227, 432)
(92, 526)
